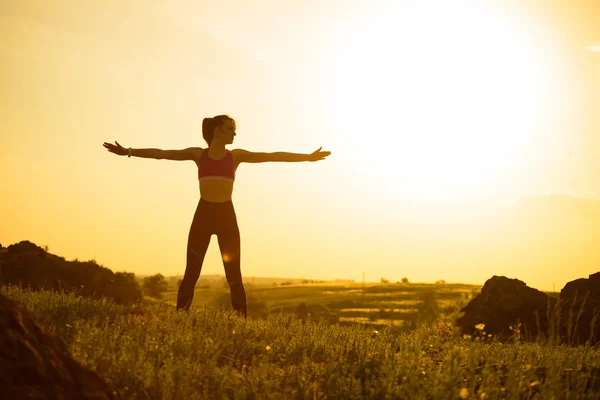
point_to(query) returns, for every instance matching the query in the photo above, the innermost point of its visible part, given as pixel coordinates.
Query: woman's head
(220, 127)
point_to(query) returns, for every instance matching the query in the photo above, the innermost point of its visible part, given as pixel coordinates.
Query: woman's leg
(198, 240)
(229, 244)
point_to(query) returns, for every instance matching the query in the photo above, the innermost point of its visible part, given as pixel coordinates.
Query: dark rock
(582, 287)
(595, 281)
(578, 287)
(579, 310)
(502, 303)
(35, 364)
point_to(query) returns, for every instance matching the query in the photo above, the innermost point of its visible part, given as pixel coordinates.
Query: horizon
(301, 280)
(464, 138)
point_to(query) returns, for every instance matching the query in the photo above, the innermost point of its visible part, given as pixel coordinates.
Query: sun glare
(443, 102)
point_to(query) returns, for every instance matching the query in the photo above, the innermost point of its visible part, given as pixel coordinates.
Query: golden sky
(465, 140)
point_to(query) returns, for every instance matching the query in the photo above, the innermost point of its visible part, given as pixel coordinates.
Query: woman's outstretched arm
(191, 153)
(280, 156)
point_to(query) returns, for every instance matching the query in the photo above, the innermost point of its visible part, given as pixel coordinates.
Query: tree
(124, 288)
(154, 285)
(385, 281)
(405, 280)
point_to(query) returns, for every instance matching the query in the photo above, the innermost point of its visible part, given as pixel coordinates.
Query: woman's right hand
(118, 149)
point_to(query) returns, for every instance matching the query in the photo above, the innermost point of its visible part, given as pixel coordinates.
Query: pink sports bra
(220, 170)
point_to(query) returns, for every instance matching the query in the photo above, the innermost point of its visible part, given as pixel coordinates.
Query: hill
(28, 265)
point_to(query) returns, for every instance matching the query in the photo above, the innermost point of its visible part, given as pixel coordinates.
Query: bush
(427, 311)
(302, 311)
(154, 285)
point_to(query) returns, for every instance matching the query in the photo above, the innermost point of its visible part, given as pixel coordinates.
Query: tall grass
(153, 351)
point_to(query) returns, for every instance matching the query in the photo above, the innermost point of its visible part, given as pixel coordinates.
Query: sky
(465, 139)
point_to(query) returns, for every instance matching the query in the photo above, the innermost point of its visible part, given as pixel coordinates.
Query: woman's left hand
(318, 155)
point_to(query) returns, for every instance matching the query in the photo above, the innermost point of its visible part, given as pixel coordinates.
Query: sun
(439, 103)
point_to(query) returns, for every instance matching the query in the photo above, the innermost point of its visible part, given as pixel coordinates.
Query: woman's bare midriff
(216, 191)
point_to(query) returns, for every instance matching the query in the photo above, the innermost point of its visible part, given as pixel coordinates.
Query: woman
(215, 213)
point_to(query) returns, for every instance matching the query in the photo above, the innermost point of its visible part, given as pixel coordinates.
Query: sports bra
(219, 170)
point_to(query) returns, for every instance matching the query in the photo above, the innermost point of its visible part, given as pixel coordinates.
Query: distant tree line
(28, 265)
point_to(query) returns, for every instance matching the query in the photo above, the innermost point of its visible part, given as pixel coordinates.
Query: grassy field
(373, 304)
(152, 351)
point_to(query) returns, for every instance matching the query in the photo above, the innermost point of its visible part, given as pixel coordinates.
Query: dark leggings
(219, 219)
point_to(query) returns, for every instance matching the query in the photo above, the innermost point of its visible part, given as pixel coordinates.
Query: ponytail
(208, 129)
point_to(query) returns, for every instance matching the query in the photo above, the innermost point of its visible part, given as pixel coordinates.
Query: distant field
(377, 304)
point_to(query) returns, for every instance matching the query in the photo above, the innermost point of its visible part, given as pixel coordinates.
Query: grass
(151, 351)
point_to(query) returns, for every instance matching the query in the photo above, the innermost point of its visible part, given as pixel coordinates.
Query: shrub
(154, 285)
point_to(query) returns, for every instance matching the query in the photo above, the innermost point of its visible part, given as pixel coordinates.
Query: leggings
(219, 219)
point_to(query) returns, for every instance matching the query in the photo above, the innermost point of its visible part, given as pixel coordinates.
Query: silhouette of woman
(215, 213)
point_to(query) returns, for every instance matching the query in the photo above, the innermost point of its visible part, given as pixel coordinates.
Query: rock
(595, 281)
(579, 307)
(502, 303)
(578, 287)
(35, 364)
